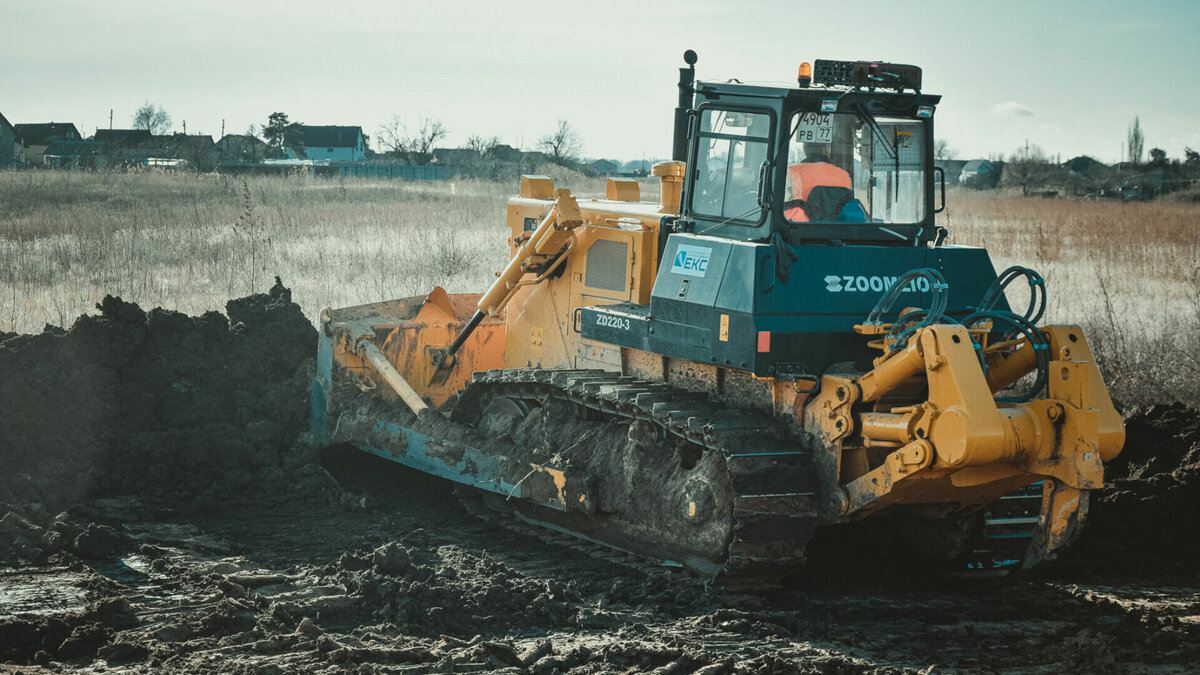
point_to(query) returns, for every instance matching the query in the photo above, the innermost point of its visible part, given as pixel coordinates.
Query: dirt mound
(1143, 521)
(35, 639)
(197, 410)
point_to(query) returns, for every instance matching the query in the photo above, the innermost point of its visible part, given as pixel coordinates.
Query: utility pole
(222, 127)
(185, 127)
(110, 111)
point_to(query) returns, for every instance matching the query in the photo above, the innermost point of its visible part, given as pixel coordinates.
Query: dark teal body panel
(810, 317)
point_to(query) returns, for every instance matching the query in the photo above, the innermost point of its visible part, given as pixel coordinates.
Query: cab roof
(806, 98)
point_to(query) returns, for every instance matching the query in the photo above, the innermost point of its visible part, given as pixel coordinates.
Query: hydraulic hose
(905, 326)
(1017, 325)
(1037, 292)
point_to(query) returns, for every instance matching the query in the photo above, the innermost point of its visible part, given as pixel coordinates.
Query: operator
(821, 190)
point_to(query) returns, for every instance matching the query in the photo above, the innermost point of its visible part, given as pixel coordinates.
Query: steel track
(774, 512)
(774, 506)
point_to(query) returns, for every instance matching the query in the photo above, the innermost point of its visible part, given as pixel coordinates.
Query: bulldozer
(782, 344)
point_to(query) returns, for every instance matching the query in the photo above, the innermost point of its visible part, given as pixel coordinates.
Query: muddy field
(160, 509)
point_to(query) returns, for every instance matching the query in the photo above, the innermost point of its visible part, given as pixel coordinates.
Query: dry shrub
(190, 242)
(1189, 196)
(1126, 272)
(565, 177)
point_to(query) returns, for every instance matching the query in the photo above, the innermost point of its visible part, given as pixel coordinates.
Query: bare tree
(391, 135)
(943, 151)
(152, 118)
(420, 144)
(417, 147)
(1137, 142)
(563, 145)
(482, 145)
(1028, 167)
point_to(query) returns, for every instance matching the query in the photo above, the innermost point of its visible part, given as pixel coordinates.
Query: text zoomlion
(850, 283)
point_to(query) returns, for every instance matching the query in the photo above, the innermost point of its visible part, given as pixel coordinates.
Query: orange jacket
(805, 177)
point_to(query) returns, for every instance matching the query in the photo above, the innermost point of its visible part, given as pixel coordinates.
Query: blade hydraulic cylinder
(551, 239)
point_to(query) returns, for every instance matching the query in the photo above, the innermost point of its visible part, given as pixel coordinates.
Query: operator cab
(802, 206)
(844, 158)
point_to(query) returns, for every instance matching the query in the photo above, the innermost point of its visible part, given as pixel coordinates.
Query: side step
(1007, 532)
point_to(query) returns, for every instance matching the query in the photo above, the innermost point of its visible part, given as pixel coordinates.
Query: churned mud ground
(160, 510)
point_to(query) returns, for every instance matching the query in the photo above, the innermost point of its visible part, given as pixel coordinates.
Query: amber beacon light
(804, 74)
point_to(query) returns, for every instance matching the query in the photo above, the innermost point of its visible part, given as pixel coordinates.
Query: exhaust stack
(687, 76)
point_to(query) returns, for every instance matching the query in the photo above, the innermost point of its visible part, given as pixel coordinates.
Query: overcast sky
(1068, 76)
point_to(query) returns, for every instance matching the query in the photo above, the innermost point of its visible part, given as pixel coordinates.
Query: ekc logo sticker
(691, 260)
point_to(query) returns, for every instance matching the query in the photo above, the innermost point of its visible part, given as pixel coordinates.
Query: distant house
(1087, 176)
(241, 148)
(197, 150)
(503, 153)
(952, 168)
(177, 139)
(123, 138)
(75, 155)
(604, 167)
(35, 138)
(8, 143)
(979, 174)
(456, 156)
(1084, 165)
(124, 147)
(535, 159)
(332, 143)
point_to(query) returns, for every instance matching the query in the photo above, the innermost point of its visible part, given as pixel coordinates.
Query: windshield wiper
(878, 132)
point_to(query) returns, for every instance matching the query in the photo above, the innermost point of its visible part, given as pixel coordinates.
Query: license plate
(815, 128)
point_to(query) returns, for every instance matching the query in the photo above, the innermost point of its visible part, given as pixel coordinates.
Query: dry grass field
(191, 242)
(1127, 272)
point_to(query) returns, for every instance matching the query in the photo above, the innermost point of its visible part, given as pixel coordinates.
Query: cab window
(732, 147)
(853, 168)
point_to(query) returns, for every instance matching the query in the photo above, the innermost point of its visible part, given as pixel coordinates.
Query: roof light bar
(869, 74)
